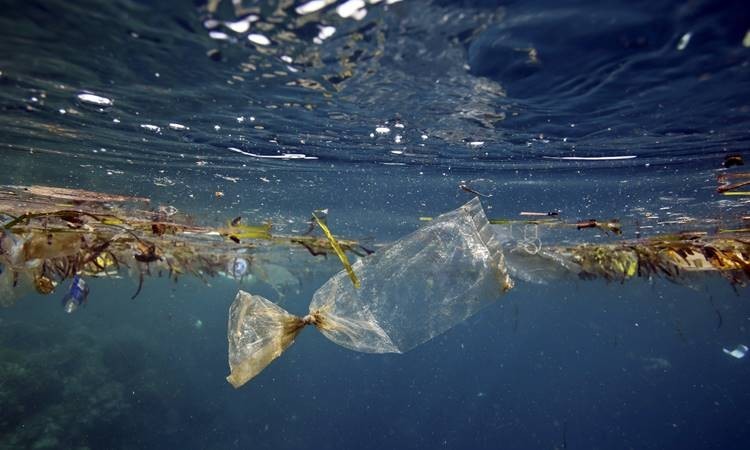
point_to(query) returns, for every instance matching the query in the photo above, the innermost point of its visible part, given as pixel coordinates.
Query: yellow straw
(339, 252)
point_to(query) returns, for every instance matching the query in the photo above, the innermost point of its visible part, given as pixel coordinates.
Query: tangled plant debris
(50, 235)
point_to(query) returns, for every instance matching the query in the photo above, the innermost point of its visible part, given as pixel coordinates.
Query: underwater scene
(373, 224)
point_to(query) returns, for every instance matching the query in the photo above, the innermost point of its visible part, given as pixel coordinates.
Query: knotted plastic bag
(411, 291)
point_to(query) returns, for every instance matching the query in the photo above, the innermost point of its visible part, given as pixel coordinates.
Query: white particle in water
(210, 23)
(218, 35)
(241, 26)
(476, 143)
(217, 128)
(240, 119)
(284, 156)
(178, 127)
(312, 6)
(684, 41)
(349, 8)
(61, 111)
(382, 130)
(359, 14)
(116, 120)
(258, 39)
(287, 59)
(324, 33)
(93, 99)
(149, 127)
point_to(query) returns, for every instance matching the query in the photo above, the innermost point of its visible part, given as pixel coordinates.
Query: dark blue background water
(497, 88)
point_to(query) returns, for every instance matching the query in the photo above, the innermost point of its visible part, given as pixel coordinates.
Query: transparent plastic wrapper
(411, 291)
(738, 352)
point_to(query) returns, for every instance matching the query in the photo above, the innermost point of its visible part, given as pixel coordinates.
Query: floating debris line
(53, 234)
(432, 279)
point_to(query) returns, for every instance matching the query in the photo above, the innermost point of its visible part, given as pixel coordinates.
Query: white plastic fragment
(324, 33)
(218, 35)
(240, 26)
(178, 127)
(348, 8)
(312, 6)
(738, 352)
(93, 99)
(684, 41)
(149, 127)
(258, 39)
(210, 24)
(359, 14)
(382, 130)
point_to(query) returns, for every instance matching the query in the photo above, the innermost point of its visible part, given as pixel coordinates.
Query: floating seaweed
(674, 257)
(53, 234)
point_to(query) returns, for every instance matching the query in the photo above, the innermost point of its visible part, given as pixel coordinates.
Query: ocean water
(613, 109)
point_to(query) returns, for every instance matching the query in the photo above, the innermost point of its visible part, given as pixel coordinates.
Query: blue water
(487, 94)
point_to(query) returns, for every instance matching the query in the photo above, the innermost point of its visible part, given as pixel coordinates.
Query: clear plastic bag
(411, 291)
